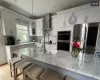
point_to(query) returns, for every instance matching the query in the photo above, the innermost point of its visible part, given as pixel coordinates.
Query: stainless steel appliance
(88, 36)
(63, 42)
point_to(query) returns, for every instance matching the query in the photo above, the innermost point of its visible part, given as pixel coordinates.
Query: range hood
(47, 22)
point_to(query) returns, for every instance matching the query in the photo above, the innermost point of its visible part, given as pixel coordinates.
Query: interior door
(2, 51)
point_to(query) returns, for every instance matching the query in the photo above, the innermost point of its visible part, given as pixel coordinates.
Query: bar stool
(51, 75)
(12, 62)
(69, 78)
(21, 65)
(33, 72)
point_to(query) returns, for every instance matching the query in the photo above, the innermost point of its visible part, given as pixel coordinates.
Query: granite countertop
(85, 64)
(20, 44)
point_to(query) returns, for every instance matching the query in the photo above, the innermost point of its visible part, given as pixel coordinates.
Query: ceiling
(40, 7)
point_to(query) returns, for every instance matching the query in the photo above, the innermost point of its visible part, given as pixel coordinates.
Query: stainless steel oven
(63, 42)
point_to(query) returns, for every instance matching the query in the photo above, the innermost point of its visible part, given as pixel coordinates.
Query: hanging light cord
(73, 5)
(32, 8)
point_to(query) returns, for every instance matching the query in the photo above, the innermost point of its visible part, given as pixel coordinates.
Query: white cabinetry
(32, 28)
(39, 26)
(8, 22)
(93, 14)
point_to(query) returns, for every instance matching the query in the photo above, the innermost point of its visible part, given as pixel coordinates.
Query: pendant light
(86, 17)
(64, 23)
(73, 18)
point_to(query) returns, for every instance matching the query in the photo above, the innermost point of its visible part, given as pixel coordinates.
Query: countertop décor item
(76, 49)
(85, 65)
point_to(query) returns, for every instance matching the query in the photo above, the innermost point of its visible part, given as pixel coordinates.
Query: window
(22, 33)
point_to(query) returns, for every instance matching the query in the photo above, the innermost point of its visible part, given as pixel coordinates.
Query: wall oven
(63, 42)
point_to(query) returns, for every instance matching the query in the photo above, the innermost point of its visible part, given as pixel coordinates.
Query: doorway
(92, 37)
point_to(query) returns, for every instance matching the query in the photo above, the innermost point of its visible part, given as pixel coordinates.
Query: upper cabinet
(39, 27)
(32, 29)
(8, 23)
(93, 14)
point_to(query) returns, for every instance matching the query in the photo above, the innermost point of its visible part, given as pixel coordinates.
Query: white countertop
(85, 64)
(20, 44)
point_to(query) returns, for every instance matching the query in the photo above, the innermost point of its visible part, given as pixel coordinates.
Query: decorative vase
(75, 53)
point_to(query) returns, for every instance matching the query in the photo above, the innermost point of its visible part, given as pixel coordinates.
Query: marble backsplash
(47, 39)
(32, 38)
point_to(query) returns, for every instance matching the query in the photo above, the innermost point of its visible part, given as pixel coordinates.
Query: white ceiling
(41, 7)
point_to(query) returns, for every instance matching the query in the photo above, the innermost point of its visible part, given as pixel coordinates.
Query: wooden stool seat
(69, 78)
(15, 60)
(12, 62)
(34, 72)
(30, 79)
(21, 65)
(51, 75)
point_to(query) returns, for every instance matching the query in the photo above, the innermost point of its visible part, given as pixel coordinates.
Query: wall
(3, 58)
(9, 19)
(8, 22)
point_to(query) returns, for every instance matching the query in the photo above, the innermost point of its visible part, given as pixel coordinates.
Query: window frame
(23, 41)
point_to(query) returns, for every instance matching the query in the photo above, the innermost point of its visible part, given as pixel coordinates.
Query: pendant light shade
(86, 18)
(73, 17)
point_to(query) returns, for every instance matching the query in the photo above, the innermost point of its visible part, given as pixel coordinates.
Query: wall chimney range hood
(47, 22)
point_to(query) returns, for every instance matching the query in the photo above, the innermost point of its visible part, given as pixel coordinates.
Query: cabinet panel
(93, 14)
(39, 26)
(32, 29)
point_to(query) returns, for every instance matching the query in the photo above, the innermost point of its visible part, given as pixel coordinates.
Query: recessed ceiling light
(16, 0)
(54, 6)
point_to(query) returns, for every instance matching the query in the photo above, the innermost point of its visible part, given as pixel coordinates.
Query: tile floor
(5, 73)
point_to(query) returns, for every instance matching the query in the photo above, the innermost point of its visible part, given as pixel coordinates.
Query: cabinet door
(39, 26)
(93, 14)
(32, 29)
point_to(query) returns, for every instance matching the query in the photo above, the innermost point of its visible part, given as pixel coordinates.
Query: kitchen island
(86, 65)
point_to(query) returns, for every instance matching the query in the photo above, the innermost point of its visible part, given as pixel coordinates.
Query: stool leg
(14, 72)
(11, 70)
(24, 76)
